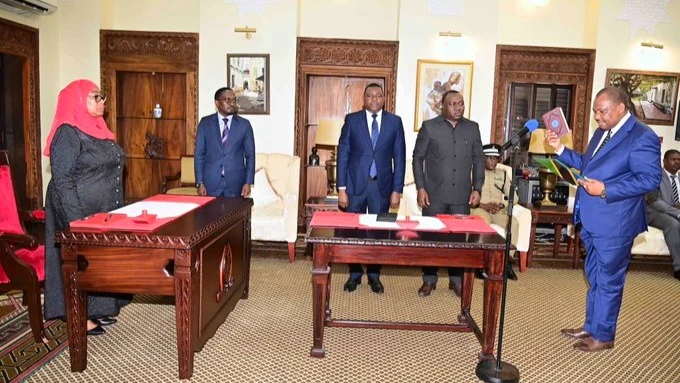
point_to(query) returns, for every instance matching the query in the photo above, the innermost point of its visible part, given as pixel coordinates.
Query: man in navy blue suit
(371, 164)
(621, 165)
(224, 161)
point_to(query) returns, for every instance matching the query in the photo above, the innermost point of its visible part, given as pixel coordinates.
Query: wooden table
(315, 204)
(385, 247)
(558, 216)
(202, 259)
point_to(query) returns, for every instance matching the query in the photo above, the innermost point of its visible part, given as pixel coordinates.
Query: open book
(563, 171)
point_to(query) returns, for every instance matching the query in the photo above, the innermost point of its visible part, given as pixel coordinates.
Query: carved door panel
(331, 98)
(153, 145)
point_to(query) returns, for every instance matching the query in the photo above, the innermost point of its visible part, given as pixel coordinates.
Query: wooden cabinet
(153, 145)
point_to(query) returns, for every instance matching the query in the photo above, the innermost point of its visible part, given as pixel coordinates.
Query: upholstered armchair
(22, 260)
(186, 177)
(275, 196)
(521, 217)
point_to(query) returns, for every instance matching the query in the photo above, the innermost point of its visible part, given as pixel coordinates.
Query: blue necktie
(225, 132)
(374, 139)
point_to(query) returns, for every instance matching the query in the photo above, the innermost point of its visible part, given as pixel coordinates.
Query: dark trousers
(430, 273)
(372, 202)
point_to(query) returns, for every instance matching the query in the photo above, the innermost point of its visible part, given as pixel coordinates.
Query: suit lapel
(614, 141)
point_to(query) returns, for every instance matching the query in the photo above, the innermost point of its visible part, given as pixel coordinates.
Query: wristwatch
(199, 184)
(603, 195)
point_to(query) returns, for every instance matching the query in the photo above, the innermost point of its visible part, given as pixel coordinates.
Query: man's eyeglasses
(98, 97)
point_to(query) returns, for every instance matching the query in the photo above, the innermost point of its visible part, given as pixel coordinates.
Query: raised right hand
(552, 140)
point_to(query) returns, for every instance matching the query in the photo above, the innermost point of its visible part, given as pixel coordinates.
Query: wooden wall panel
(143, 177)
(136, 94)
(132, 134)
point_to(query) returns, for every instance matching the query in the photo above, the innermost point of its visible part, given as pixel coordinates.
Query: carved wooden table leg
(320, 276)
(492, 298)
(183, 304)
(76, 300)
(466, 296)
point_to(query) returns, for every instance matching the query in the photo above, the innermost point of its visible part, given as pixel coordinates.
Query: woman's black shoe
(106, 321)
(99, 330)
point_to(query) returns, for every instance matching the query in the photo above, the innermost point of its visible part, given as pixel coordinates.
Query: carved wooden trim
(20, 40)
(140, 50)
(150, 240)
(564, 66)
(339, 57)
(398, 243)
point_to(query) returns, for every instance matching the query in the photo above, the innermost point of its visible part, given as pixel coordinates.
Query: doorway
(20, 112)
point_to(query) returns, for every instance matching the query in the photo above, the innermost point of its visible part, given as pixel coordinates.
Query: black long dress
(87, 176)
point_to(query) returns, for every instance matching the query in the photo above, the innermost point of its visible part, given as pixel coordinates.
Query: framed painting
(654, 94)
(434, 78)
(248, 76)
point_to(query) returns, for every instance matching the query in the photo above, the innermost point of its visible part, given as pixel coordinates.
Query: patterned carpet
(267, 338)
(19, 354)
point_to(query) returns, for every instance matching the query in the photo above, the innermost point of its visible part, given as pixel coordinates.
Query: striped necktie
(374, 139)
(225, 132)
(606, 139)
(674, 186)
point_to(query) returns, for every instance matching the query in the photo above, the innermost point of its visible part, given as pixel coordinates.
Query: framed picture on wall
(434, 78)
(654, 94)
(248, 76)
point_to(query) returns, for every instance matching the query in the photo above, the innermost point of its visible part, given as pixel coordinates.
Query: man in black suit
(448, 151)
(371, 167)
(663, 209)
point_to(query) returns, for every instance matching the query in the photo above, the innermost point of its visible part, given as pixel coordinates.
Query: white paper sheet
(160, 209)
(428, 223)
(370, 220)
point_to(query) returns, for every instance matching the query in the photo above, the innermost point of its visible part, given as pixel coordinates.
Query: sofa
(649, 245)
(275, 196)
(521, 217)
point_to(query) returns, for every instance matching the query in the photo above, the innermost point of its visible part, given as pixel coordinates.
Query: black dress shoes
(511, 272)
(99, 330)
(351, 284)
(456, 286)
(376, 286)
(676, 274)
(576, 333)
(426, 289)
(106, 321)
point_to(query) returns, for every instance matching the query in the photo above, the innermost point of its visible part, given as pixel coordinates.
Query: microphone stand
(497, 371)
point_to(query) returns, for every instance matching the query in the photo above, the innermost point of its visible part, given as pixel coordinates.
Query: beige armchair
(186, 177)
(275, 194)
(521, 217)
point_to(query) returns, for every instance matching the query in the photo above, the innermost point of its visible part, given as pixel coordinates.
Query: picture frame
(433, 79)
(248, 77)
(654, 94)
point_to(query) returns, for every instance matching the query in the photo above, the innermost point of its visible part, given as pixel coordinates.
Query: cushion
(35, 258)
(262, 192)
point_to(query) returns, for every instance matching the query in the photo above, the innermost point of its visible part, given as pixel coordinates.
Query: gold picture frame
(433, 79)
(248, 76)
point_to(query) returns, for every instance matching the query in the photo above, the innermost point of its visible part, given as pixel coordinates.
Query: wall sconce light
(651, 45)
(450, 34)
(248, 31)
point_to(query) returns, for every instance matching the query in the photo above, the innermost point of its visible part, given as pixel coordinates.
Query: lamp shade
(328, 132)
(538, 144)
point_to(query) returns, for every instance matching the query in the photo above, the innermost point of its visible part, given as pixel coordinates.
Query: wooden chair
(185, 176)
(22, 260)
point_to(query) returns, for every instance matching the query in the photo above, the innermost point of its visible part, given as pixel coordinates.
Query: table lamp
(546, 178)
(328, 133)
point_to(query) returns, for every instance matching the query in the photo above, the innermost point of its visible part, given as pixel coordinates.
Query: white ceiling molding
(446, 7)
(645, 15)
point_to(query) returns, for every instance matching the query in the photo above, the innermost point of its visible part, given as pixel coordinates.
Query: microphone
(529, 126)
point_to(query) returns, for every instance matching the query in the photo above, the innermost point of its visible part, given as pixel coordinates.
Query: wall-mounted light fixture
(248, 31)
(651, 45)
(450, 34)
